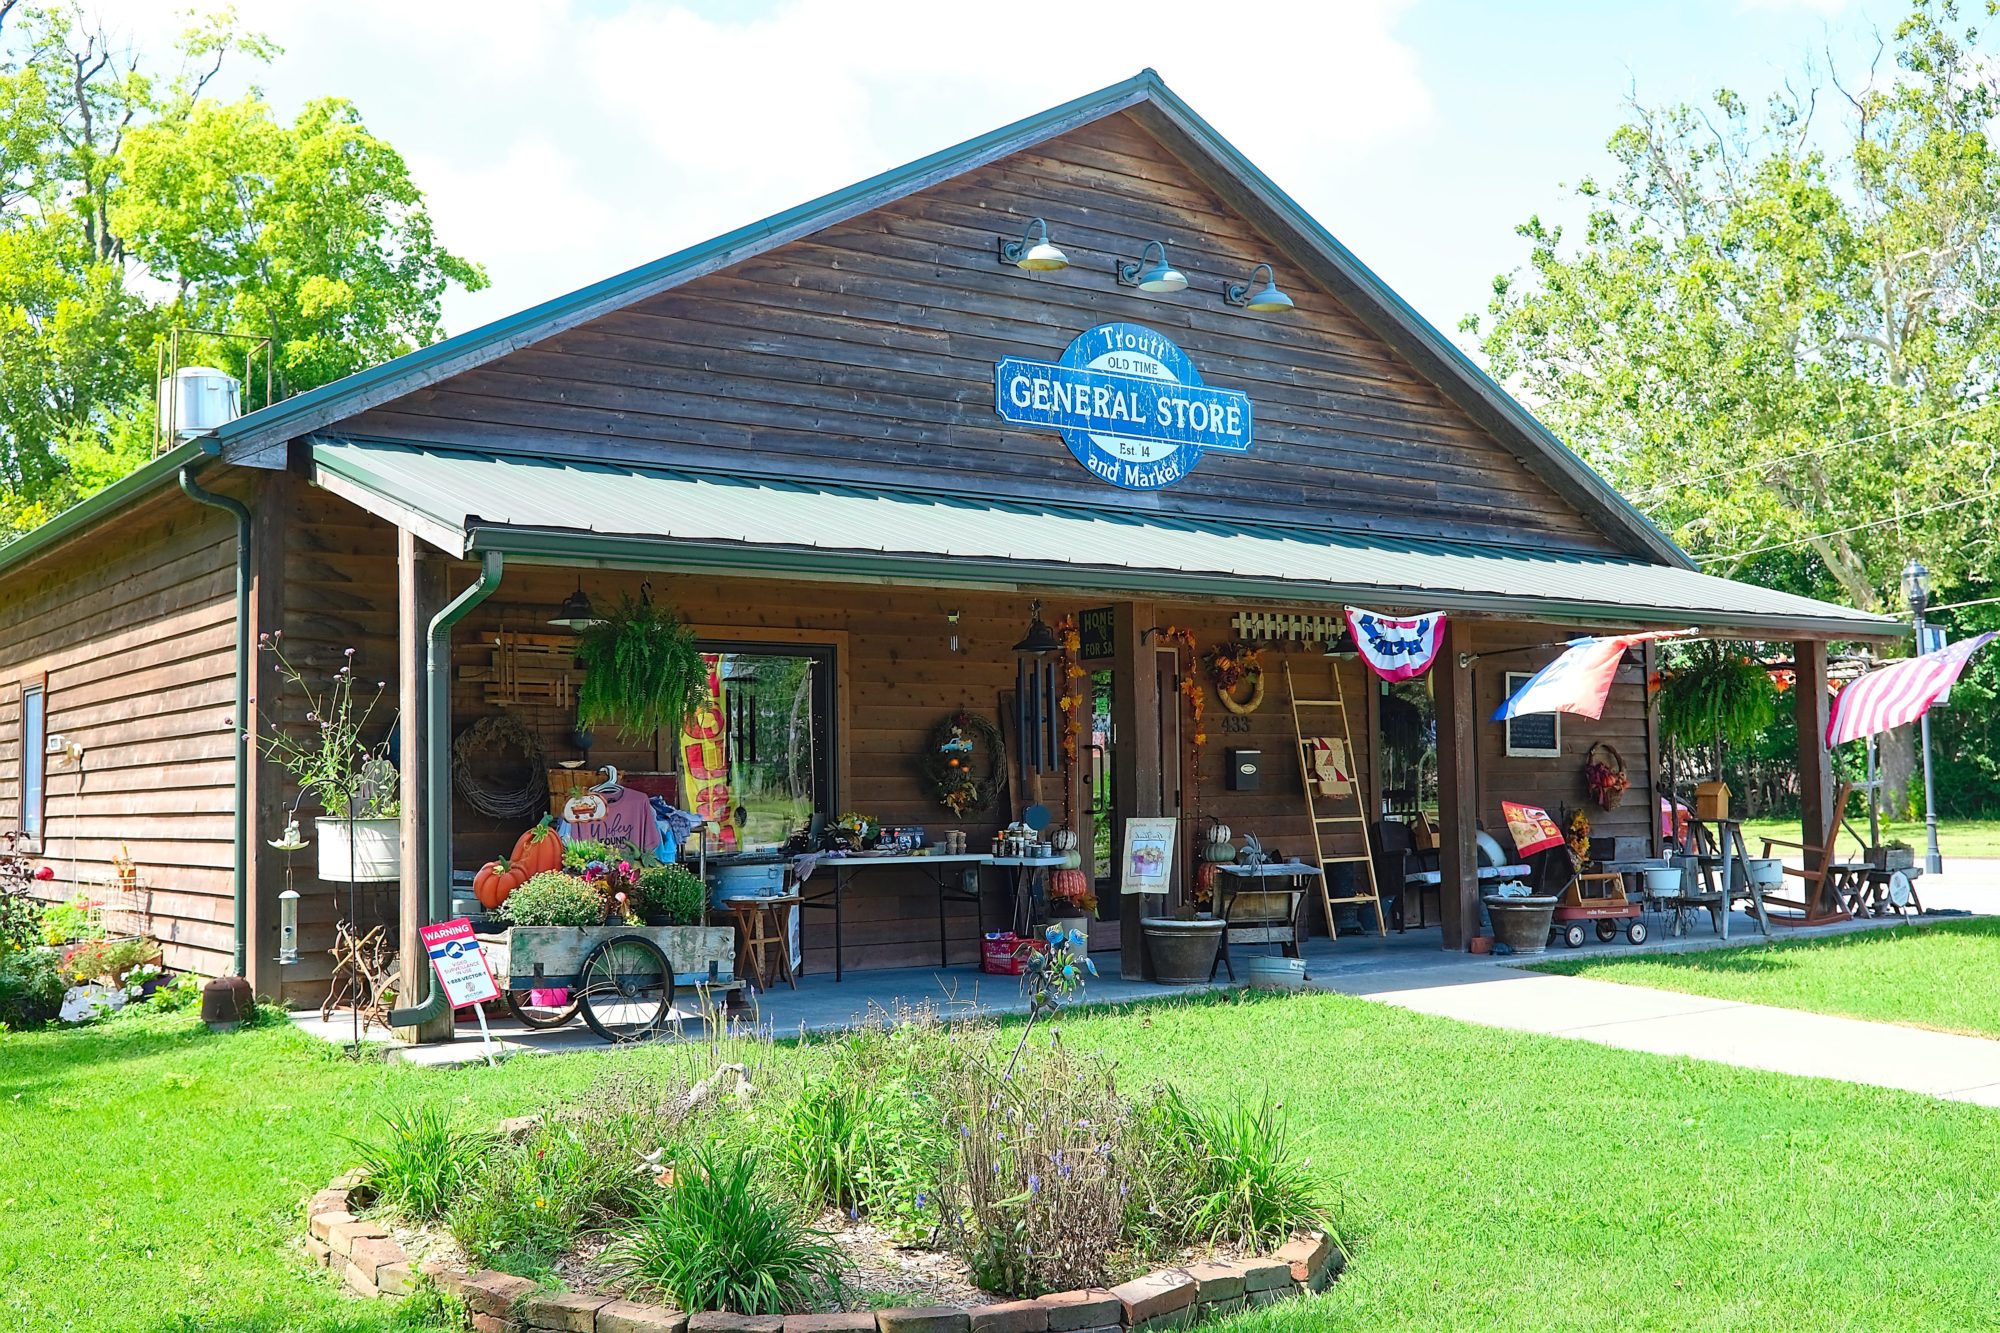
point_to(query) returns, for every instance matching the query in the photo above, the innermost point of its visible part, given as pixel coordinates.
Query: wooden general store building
(791, 433)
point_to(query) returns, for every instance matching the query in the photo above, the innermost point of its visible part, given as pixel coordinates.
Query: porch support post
(419, 593)
(1809, 701)
(1458, 791)
(1135, 760)
(268, 793)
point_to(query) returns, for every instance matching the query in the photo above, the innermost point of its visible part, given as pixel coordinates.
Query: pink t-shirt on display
(628, 819)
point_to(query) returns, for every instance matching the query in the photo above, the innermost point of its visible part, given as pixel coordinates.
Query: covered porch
(915, 600)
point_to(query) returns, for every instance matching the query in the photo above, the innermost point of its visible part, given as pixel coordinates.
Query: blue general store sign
(1128, 403)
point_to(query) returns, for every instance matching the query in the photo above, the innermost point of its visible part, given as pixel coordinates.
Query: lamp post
(1917, 591)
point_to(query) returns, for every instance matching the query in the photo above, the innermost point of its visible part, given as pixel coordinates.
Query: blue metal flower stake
(1058, 967)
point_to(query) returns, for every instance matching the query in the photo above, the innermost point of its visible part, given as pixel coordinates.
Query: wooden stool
(762, 926)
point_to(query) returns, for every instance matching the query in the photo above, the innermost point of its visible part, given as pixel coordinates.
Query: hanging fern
(642, 671)
(1716, 691)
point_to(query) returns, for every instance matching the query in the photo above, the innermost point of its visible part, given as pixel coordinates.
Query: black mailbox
(1245, 769)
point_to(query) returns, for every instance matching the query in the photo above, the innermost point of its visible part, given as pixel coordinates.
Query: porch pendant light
(577, 614)
(1158, 276)
(1039, 638)
(1037, 257)
(1266, 300)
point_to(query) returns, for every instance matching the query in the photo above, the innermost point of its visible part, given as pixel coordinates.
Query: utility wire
(1662, 488)
(1841, 532)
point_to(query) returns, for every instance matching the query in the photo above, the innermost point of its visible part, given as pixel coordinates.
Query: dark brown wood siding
(132, 625)
(865, 353)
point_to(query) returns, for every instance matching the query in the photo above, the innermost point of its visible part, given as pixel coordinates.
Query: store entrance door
(1161, 781)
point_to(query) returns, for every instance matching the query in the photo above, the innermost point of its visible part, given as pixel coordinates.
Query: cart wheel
(540, 1015)
(1636, 932)
(626, 988)
(1605, 930)
(1573, 937)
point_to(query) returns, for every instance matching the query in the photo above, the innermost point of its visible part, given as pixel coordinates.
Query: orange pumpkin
(1205, 880)
(497, 879)
(537, 850)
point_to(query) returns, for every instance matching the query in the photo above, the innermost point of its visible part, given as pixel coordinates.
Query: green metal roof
(133, 486)
(262, 434)
(556, 512)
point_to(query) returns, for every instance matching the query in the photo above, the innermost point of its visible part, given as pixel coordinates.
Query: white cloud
(564, 140)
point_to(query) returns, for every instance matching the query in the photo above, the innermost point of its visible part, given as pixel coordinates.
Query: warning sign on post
(459, 962)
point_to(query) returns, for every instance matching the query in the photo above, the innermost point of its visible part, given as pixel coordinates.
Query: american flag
(1890, 698)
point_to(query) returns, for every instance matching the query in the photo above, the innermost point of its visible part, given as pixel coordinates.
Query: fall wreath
(1234, 666)
(964, 765)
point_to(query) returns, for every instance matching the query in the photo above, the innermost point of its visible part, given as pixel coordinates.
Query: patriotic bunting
(1897, 695)
(1396, 648)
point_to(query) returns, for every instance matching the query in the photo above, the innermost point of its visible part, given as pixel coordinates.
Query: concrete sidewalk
(1640, 1018)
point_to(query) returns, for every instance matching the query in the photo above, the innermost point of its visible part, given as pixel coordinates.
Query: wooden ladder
(1318, 821)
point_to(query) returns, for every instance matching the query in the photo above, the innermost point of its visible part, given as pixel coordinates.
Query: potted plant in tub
(329, 755)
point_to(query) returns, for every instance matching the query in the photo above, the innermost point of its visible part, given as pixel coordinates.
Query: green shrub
(553, 898)
(31, 988)
(182, 992)
(423, 1165)
(66, 923)
(1228, 1175)
(534, 1198)
(671, 895)
(717, 1239)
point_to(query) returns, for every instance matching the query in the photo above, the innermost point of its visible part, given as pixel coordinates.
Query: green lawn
(1956, 837)
(151, 1174)
(1943, 975)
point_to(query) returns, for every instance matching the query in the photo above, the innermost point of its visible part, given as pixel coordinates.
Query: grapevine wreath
(964, 765)
(471, 758)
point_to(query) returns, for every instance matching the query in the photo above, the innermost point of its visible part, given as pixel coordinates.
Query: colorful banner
(1531, 828)
(1580, 680)
(1396, 647)
(704, 754)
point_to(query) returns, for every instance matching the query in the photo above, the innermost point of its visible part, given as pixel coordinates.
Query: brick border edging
(373, 1265)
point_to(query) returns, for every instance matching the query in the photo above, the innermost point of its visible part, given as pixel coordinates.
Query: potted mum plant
(349, 776)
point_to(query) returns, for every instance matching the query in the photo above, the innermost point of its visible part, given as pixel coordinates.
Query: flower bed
(374, 1265)
(972, 1181)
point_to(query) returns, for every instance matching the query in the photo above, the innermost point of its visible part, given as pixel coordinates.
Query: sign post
(461, 968)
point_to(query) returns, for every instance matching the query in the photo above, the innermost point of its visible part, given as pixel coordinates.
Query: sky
(561, 141)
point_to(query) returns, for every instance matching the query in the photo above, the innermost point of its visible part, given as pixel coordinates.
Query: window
(1532, 735)
(34, 759)
(1408, 749)
(758, 759)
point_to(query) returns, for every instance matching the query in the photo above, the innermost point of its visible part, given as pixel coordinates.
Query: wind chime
(1037, 697)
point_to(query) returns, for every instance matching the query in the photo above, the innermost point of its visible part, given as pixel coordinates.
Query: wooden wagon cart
(621, 978)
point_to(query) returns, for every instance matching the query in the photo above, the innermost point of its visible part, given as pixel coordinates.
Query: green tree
(119, 183)
(1777, 330)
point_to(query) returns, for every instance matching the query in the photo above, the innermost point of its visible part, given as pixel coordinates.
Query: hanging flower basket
(1604, 775)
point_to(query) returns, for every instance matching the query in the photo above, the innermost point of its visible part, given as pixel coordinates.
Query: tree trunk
(1897, 765)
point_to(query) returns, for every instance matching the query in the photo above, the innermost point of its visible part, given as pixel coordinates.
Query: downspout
(437, 768)
(244, 725)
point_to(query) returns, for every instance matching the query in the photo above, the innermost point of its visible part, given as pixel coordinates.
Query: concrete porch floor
(1369, 965)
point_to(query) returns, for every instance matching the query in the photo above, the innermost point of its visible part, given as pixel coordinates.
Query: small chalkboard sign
(1094, 631)
(1532, 735)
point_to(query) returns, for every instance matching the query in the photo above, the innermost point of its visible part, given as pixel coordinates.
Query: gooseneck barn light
(1036, 257)
(1039, 638)
(1265, 300)
(577, 614)
(1158, 276)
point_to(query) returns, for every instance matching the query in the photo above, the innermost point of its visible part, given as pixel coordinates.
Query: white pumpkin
(1219, 833)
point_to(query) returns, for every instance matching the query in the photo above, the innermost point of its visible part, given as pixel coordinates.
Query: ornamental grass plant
(1227, 1174)
(719, 1238)
(423, 1165)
